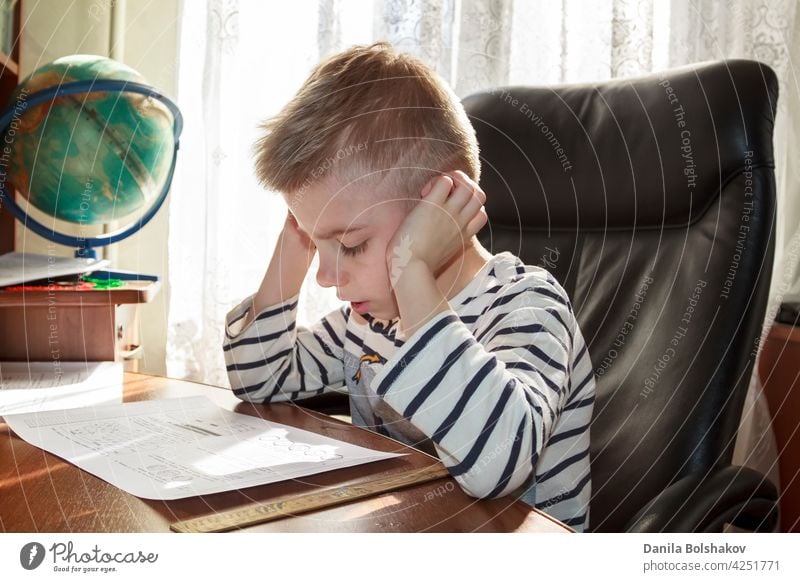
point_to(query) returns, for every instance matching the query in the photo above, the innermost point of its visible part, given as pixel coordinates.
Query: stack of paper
(39, 386)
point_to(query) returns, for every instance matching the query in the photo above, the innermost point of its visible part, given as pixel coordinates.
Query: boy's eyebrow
(338, 231)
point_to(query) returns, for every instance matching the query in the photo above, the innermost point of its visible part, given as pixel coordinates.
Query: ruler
(256, 513)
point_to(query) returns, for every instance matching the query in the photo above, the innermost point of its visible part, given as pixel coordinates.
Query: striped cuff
(234, 320)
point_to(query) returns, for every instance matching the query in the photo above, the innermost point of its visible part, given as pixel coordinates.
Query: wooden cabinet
(94, 325)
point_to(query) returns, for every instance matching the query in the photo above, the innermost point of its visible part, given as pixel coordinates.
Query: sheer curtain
(241, 60)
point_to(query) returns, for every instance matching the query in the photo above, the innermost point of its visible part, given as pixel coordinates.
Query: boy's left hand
(449, 213)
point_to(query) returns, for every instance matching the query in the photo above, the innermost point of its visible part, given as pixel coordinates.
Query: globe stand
(86, 247)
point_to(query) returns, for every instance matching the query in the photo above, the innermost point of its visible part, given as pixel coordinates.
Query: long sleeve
(273, 360)
(490, 401)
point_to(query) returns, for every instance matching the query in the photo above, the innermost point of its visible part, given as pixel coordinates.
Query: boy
(473, 357)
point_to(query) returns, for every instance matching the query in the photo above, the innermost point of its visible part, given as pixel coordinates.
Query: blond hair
(368, 113)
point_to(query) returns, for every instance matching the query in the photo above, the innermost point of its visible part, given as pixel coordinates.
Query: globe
(87, 141)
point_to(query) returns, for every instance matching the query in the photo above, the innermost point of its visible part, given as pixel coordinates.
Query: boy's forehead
(333, 218)
(327, 208)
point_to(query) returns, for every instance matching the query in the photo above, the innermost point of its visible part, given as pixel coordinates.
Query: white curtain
(241, 60)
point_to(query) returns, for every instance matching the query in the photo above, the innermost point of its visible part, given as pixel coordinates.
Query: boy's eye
(352, 251)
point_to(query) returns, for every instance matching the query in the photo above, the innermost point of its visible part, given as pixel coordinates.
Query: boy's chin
(384, 314)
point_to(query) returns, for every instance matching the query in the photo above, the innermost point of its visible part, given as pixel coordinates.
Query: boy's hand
(295, 238)
(450, 212)
(291, 259)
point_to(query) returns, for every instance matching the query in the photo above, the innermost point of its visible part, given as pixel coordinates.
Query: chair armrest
(706, 502)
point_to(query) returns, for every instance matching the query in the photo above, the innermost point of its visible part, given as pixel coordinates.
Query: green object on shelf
(104, 283)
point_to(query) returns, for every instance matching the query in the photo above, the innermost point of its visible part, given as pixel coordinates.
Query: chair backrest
(652, 201)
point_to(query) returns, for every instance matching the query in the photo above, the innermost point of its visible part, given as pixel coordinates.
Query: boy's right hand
(294, 237)
(287, 269)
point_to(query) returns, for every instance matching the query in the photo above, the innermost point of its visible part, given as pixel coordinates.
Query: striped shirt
(499, 387)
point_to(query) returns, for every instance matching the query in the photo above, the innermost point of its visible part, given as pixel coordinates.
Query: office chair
(652, 201)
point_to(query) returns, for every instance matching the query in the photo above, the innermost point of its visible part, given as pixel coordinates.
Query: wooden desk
(70, 325)
(40, 492)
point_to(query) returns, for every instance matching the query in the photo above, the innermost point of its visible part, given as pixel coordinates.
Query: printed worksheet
(182, 447)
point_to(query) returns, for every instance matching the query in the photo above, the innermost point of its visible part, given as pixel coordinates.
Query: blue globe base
(106, 274)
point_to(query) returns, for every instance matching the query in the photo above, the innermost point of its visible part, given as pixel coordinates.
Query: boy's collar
(385, 323)
(386, 327)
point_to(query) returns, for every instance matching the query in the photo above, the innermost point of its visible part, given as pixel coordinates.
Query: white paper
(16, 268)
(40, 386)
(181, 447)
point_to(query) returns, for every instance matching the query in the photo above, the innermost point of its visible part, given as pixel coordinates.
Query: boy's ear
(426, 189)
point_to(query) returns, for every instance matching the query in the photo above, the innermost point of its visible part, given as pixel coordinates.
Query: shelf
(131, 292)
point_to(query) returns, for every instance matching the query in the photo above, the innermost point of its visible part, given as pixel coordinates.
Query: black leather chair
(652, 201)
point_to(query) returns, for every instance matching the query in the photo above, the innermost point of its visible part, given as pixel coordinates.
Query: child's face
(351, 228)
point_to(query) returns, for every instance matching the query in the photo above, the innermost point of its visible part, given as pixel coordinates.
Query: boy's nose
(328, 275)
(324, 280)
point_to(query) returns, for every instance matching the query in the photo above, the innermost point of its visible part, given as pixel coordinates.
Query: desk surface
(40, 492)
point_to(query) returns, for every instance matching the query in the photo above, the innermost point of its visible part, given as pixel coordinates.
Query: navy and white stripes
(500, 386)
(272, 360)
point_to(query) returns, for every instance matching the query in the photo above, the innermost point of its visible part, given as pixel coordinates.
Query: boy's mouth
(360, 306)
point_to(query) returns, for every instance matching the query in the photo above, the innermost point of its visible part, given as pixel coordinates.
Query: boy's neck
(462, 268)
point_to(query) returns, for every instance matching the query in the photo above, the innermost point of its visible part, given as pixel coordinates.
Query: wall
(52, 29)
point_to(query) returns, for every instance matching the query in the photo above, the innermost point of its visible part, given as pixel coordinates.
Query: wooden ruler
(263, 512)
